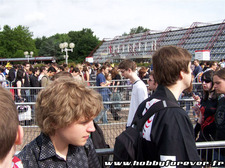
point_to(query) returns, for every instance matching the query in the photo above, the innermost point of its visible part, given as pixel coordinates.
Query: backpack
(98, 138)
(128, 145)
(99, 142)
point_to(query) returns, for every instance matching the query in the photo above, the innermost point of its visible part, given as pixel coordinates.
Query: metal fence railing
(216, 153)
(210, 153)
(111, 130)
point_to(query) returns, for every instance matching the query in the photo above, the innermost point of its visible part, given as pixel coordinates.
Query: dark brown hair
(168, 62)
(126, 64)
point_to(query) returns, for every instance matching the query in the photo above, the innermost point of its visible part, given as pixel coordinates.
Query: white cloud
(35, 18)
(107, 18)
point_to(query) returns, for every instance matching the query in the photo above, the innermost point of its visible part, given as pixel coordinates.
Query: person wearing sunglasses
(205, 126)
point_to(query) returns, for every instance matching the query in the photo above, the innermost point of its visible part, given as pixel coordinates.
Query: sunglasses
(206, 81)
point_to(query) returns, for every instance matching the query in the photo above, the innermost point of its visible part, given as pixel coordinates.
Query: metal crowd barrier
(111, 130)
(208, 152)
(106, 154)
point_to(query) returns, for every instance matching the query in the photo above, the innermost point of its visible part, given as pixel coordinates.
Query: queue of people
(27, 75)
(66, 118)
(207, 107)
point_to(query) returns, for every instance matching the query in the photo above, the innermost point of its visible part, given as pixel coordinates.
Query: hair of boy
(65, 65)
(85, 68)
(103, 67)
(152, 74)
(61, 74)
(26, 63)
(142, 71)
(75, 69)
(42, 68)
(126, 64)
(8, 122)
(36, 69)
(64, 102)
(196, 60)
(51, 69)
(33, 70)
(168, 62)
(61, 68)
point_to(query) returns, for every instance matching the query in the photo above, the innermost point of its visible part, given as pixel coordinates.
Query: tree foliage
(14, 41)
(84, 41)
(136, 30)
(50, 46)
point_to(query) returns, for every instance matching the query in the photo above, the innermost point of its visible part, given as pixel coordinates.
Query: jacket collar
(163, 92)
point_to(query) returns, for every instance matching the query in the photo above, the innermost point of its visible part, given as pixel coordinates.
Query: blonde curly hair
(64, 102)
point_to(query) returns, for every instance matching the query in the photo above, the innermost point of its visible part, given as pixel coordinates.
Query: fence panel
(111, 130)
(209, 159)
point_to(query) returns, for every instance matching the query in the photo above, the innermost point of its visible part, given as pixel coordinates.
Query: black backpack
(99, 143)
(128, 146)
(98, 138)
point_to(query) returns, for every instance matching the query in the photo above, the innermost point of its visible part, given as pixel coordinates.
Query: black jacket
(169, 132)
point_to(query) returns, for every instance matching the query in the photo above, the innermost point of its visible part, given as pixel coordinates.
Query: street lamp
(26, 53)
(64, 47)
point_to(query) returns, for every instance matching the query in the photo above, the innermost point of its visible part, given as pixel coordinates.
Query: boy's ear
(129, 70)
(19, 136)
(181, 75)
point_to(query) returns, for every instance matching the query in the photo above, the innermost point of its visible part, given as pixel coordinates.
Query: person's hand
(200, 118)
(108, 83)
(197, 98)
(196, 108)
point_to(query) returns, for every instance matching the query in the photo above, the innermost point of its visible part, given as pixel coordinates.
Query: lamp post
(64, 47)
(26, 53)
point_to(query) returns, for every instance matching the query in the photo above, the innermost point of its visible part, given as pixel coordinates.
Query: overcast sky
(107, 18)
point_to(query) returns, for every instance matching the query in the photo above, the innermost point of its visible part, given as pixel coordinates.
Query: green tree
(15, 40)
(85, 41)
(50, 46)
(136, 30)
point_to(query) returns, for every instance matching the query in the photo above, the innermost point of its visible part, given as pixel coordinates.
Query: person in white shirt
(139, 89)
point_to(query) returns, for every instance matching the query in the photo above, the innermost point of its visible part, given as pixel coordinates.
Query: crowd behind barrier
(114, 127)
(111, 130)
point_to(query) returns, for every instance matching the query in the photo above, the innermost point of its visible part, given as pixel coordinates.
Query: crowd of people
(28, 75)
(66, 118)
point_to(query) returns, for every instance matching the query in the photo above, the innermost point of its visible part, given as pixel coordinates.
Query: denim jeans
(103, 115)
(27, 92)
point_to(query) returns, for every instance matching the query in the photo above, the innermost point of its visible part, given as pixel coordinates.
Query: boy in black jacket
(168, 134)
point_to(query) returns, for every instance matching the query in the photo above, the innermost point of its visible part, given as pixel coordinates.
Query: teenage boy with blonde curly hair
(64, 112)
